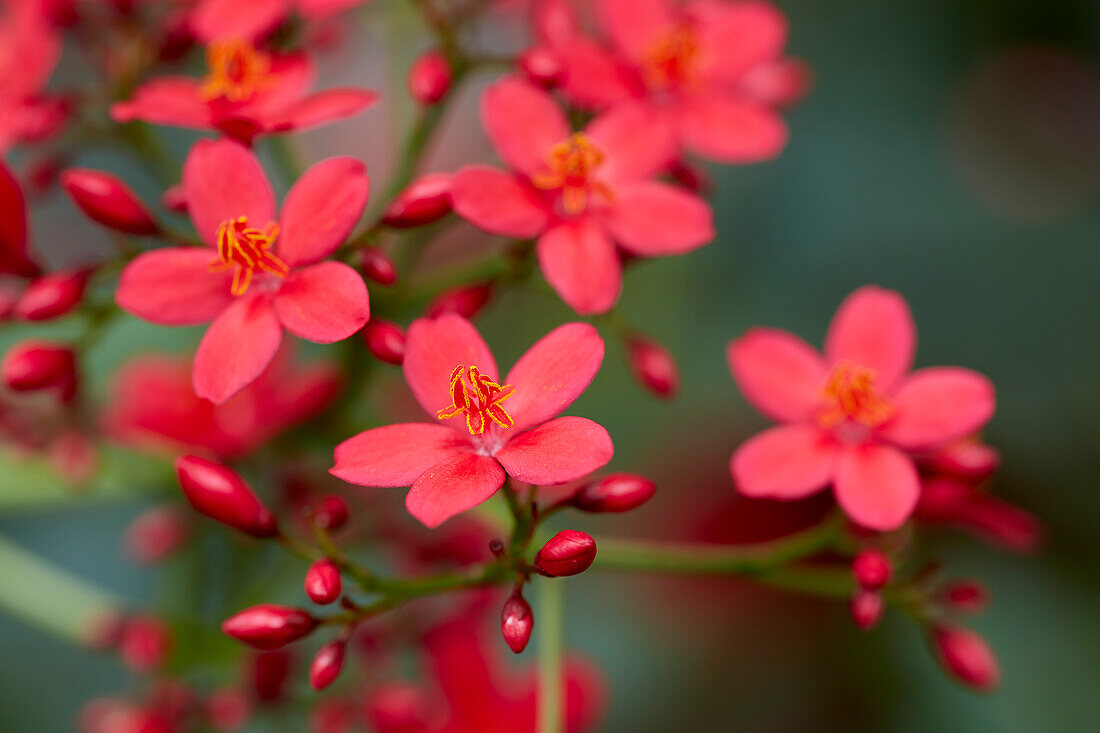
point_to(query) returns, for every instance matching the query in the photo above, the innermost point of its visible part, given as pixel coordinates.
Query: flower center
(673, 58)
(246, 248)
(571, 166)
(479, 398)
(850, 395)
(236, 71)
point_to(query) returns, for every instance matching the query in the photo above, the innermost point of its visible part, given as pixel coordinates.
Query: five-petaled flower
(579, 193)
(855, 418)
(460, 462)
(261, 274)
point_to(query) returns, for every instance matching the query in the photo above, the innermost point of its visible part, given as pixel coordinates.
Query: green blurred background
(950, 150)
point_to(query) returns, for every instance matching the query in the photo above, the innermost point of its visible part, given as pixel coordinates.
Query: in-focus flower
(486, 428)
(219, 19)
(246, 92)
(854, 417)
(711, 71)
(580, 194)
(262, 271)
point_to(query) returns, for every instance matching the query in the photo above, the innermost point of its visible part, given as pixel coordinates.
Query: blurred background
(950, 150)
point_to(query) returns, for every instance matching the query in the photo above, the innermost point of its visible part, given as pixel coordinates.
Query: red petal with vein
(638, 140)
(779, 374)
(876, 486)
(653, 219)
(433, 348)
(323, 303)
(873, 328)
(170, 100)
(787, 462)
(174, 287)
(553, 373)
(321, 209)
(561, 450)
(222, 180)
(321, 108)
(581, 264)
(453, 486)
(594, 78)
(498, 202)
(939, 405)
(523, 122)
(396, 455)
(236, 347)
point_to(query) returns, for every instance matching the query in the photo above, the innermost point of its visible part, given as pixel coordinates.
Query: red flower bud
(326, 665)
(227, 709)
(691, 177)
(385, 340)
(156, 534)
(51, 296)
(653, 366)
(542, 67)
(466, 300)
(174, 199)
(219, 493)
(616, 492)
(871, 568)
(269, 625)
(268, 673)
(331, 512)
(377, 266)
(423, 201)
(323, 583)
(966, 657)
(144, 643)
(32, 365)
(516, 622)
(107, 200)
(964, 596)
(866, 608)
(429, 78)
(569, 552)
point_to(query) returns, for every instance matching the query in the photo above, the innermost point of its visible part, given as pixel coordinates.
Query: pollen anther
(479, 397)
(571, 166)
(850, 394)
(247, 249)
(236, 71)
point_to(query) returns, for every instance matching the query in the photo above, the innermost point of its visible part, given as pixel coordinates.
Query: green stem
(550, 616)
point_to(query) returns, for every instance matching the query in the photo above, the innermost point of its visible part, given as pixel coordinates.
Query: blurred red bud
(964, 596)
(326, 665)
(385, 340)
(423, 201)
(542, 67)
(156, 533)
(616, 492)
(466, 300)
(397, 707)
(871, 568)
(32, 365)
(516, 622)
(377, 266)
(653, 366)
(269, 625)
(692, 177)
(323, 583)
(144, 643)
(268, 672)
(107, 200)
(331, 512)
(227, 709)
(569, 552)
(174, 199)
(866, 608)
(51, 296)
(966, 657)
(221, 494)
(429, 78)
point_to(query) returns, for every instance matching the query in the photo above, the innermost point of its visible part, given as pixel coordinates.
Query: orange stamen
(246, 248)
(571, 166)
(479, 397)
(673, 59)
(236, 71)
(850, 395)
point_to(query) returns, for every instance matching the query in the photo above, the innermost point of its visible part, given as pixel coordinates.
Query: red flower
(488, 426)
(153, 404)
(854, 418)
(712, 71)
(31, 50)
(215, 19)
(246, 92)
(258, 277)
(580, 194)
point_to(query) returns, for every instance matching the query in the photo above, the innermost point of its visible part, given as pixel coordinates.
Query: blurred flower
(221, 19)
(29, 51)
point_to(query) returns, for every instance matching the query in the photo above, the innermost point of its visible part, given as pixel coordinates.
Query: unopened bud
(221, 494)
(156, 534)
(174, 199)
(616, 492)
(107, 200)
(866, 608)
(429, 78)
(385, 340)
(542, 67)
(569, 552)
(268, 672)
(51, 296)
(423, 201)
(516, 622)
(227, 709)
(467, 301)
(323, 583)
(33, 365)
(964, 596)
(871, 568)
(377, 266)
(144, 643)
(331, 512)
(496, 547)
(326, 665)
(653, 366)
(966, 657)
(269, 625)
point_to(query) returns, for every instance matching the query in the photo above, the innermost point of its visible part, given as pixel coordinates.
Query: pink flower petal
(737, 36)
(787, 462)
(653, 219)
(873, 328)
(290, 78)
(222, 180)
(561, 450)
(174, 286)
(731, 129)
(780, 374)
(323, 303)
(218, 19)
(236, 347)
(876, 486)
(169, 100)
(433, 348)
(581, 264)
(395, 455)
(553, 373)
(638, 141)
(321, 209)
(523, 123)
(321, 108)
(453, 486)
(939, 405)
(593, 77)
(497, 202)
(635, 25)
